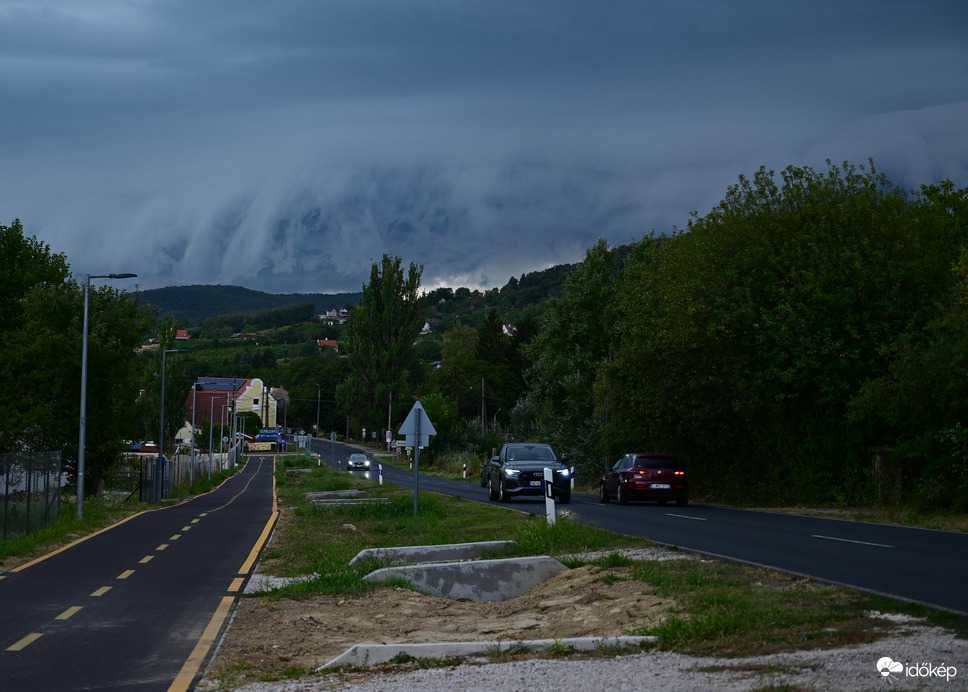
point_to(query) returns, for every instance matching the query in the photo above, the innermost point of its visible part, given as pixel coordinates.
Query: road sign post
(417, 428)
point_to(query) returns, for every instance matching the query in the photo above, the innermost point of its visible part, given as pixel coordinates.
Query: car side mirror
(495, 460)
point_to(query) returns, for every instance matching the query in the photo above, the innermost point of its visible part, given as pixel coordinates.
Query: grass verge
(722, 608)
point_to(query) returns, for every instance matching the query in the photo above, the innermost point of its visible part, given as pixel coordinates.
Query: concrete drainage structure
(372, 654)
(475, 580)
(452, 571)
(408, 555)
(342, 498)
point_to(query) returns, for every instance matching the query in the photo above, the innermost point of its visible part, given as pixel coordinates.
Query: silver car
(358, 461)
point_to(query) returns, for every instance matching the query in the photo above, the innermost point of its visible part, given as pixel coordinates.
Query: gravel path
(848, 670)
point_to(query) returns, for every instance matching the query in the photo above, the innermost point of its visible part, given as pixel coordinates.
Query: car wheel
(491, 494)
(502, 492)
(484, 479)
(620, 496)
(602, 497)
(682, 501)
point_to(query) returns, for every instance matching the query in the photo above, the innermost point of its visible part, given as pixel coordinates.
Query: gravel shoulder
(848, 670)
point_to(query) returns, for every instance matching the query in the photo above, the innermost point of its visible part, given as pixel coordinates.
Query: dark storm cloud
(285, 146)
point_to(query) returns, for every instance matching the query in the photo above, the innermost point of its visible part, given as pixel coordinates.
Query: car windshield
(529, 453)
(657, 463)
(358, 457)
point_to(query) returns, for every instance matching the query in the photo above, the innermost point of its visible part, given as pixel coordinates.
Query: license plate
(535, 482)
(660, 486)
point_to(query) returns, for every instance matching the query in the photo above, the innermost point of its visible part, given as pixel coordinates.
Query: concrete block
(411, 554)
(352, 501)
(475, 580)
(335, 494)
(373, 654)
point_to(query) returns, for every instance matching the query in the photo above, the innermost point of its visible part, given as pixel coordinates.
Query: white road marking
(847, 540)
(683, 516)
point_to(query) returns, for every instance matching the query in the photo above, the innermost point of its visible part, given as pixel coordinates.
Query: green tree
(742, 340)
(919, 405)
(41, 358)
(178, 384)
(380, 333)
(27, 263)
(574, 341)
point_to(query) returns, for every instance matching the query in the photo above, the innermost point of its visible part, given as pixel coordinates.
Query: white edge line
(847, 540)
(684, 516)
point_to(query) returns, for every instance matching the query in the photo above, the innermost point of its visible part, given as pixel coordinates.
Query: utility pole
(317, 410)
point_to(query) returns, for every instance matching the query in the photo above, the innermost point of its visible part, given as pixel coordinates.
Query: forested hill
(194, 304)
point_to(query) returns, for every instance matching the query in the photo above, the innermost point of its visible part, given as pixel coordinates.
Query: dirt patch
(267, 636)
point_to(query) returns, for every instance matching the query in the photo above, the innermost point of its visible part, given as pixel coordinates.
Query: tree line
(811, 322)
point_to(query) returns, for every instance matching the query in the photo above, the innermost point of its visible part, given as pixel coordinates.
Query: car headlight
(511, 472)
(563, 472)
(367, 463)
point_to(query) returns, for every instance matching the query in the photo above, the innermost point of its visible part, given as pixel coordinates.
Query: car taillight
(680, 473)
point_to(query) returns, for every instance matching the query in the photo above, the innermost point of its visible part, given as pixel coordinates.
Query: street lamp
(83, 431)
(191, 469)
(159, 477)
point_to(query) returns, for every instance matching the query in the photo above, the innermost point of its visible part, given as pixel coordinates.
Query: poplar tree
(380, 334)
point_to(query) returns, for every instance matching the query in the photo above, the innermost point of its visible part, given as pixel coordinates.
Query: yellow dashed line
(25, 642)
(203, 514)
(73, 610)
(126, 573)
(103, 590)
(186, 528)
(175, 537)
(146, 559)
(236, 584)
(195, 521)
(161, 547)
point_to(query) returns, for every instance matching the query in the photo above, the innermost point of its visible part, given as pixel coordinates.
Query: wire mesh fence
(30, 483)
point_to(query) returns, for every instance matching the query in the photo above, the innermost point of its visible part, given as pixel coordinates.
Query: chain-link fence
(30, 483)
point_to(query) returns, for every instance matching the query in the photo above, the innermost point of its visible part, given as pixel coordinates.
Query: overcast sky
(285, 146)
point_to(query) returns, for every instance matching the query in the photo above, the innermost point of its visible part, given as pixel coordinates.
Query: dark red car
(657, 477)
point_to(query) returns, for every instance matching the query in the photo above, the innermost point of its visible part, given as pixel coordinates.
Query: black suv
(519, 469)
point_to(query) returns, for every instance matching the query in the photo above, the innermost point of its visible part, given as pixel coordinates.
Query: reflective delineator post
(379, 472)
(549, 495)
(465, 470)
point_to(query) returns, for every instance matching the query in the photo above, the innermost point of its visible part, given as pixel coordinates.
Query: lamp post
(191, 469)
(159, 468)
(83, 426)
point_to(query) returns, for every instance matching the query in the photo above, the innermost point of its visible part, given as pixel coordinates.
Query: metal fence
(30, 483)
(179, 471)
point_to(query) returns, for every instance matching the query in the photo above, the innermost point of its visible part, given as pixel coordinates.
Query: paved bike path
(136, 606)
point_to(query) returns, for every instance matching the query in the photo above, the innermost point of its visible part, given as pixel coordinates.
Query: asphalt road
(918, 565)
(138, 605)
